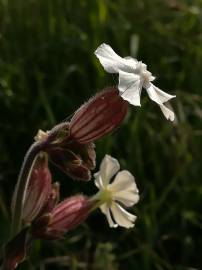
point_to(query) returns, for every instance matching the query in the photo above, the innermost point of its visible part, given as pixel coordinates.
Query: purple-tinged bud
(99, 116)
(64, 217)
(52, 199)
(70, 145)
(39, 226)
(75, 160)
(38, 190)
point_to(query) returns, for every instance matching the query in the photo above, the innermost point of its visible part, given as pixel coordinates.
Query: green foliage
(47, 69)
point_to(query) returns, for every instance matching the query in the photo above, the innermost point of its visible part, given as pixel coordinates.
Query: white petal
(167, 113)
(127, 198)
(157, 95)
(124, 181)
(130, 86)
(124, 188)
(105, 210)
(112, 62)
(131, 64)
(122, 217)
(160, 97)
(108, 168)
(98, 181)
(108, 58)
(164, 97)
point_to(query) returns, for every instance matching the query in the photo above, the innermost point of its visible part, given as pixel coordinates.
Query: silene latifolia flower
(113, 197)
(133, 76)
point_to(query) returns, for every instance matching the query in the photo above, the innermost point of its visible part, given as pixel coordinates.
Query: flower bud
(70, 145)
(99, 116)
(64, 217)
(38, 190)
(75, 160)
(52, 199)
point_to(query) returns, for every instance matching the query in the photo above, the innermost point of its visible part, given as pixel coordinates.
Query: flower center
(145, 75)
(105, 196)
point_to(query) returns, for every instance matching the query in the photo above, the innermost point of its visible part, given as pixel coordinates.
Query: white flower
(133, 76)
(122, 191)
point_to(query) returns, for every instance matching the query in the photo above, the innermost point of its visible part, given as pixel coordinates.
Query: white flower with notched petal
(133, 76)
(113, 196)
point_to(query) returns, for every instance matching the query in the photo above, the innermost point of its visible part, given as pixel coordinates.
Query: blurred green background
(48, 68)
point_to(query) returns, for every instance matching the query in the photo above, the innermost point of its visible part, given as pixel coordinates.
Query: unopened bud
(70, 145)
(52, 199)
(76, 160)
(99, 116)
(64, 217)
(38, 190)
(73, 158)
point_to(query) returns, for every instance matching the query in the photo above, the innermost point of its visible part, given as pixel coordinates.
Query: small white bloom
(113, 196)
(133, 76)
